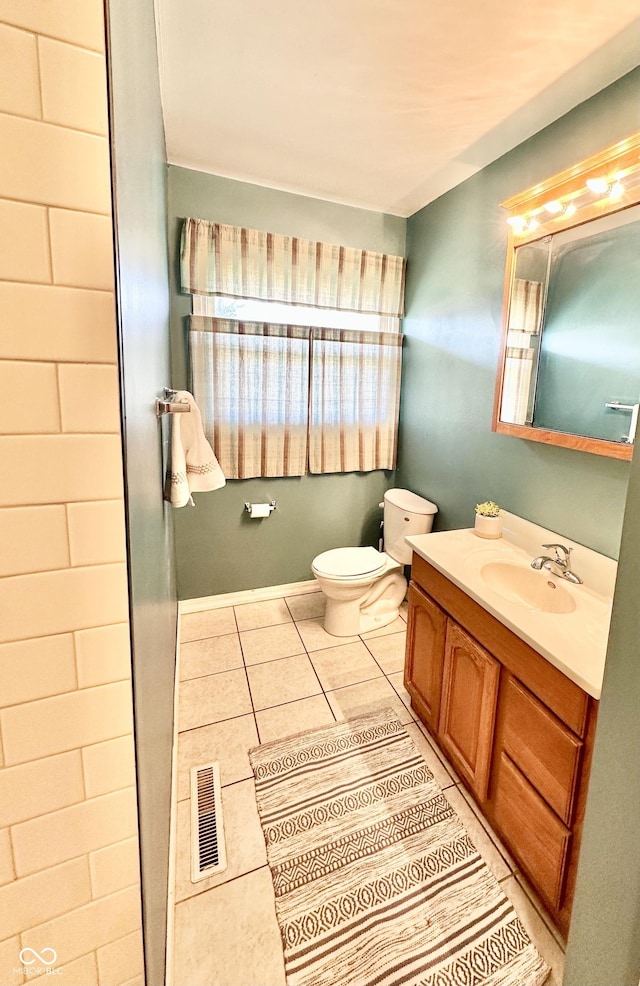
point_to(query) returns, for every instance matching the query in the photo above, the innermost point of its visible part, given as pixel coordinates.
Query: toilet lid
(344, 563)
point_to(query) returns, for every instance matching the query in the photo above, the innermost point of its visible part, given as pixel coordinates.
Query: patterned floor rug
(376, 880)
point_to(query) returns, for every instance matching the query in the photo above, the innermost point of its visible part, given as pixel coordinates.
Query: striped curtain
(525, 320)
(251, 382)
(248, 263)
(354, 400)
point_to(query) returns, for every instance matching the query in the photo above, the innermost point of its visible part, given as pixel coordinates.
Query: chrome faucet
(560, 565)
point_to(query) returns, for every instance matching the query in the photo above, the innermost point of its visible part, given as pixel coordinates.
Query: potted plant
(488, 520)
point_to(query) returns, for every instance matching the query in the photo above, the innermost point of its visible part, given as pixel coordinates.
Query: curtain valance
(217, 259)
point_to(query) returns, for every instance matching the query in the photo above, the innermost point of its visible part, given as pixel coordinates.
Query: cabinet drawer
(532, 830)
(544, 750)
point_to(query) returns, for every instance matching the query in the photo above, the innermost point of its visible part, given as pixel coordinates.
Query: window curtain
(354, 400)
(248, 263)
(525, 320)
(251, 383)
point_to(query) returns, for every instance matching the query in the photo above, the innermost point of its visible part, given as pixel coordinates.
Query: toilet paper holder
(260, 509)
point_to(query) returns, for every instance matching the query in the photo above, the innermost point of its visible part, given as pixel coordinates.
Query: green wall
(605, 922)
(218, 547)
(139, 197)
(456, 249)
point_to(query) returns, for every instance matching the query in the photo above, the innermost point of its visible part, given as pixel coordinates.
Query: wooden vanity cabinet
(518, 732)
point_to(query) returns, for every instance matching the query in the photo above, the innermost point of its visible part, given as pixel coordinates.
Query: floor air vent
(208, 855)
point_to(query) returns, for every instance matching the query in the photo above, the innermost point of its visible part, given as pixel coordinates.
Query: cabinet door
(467, 712)
(424, 656)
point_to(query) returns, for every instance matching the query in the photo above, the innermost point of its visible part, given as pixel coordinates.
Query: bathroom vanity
(505, 671)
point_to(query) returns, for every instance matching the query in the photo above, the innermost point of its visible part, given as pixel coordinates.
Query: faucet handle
(558, 548)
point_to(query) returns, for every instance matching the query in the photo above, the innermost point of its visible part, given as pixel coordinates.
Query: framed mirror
(569, 368)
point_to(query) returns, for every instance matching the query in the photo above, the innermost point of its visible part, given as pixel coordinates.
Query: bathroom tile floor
(254, 673)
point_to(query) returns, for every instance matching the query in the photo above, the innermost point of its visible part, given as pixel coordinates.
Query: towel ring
(169, 406)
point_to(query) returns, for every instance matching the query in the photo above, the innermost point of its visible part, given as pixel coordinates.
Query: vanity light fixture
(609, 179)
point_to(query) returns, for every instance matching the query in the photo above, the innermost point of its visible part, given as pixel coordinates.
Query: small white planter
(488, 527)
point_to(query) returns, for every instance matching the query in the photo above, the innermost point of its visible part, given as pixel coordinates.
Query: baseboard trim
(247, 596)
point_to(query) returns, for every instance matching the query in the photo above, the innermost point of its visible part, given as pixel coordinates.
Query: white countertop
(575, 642)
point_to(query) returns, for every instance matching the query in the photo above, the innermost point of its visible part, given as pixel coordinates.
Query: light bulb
(517, 223)
(553, 207)
(598, 185)
(617, 190)
(570, 210)
(533, 223)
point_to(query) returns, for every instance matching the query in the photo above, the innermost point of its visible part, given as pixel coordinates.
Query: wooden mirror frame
(529, 221)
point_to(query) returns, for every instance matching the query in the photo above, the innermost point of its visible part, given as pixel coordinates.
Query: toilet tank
(405, 513)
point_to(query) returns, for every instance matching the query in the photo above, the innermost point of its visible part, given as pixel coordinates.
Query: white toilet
(365, 587)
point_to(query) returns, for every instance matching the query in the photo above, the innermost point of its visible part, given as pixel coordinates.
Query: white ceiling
(383, 104)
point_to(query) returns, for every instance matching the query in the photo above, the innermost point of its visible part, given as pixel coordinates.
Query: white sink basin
(538, 591)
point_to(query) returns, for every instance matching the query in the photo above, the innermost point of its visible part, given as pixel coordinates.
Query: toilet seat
(345, 564)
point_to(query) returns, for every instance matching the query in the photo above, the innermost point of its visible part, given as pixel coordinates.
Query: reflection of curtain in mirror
(525, 315)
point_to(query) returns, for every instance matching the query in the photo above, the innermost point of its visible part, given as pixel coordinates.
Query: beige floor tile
(243, 838)
(210, 655)
(398, 626)
(230, 937)
(396, 680)
(477, 834)
(225, 742)
(295, 717)
(447, 767)
(315, 637)
(268, 613)
(344, 665)
(287, 680)
(540, 935)
(209, 623)
(270, 643)
(368, 696)
(218, 696)
(433, 762)
(389, 651)
(538, 906)
(309, 606)
(495, 838)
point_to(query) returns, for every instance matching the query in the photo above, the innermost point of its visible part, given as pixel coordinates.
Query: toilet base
(371, 611)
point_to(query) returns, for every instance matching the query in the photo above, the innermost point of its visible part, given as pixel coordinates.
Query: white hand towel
(193, 466)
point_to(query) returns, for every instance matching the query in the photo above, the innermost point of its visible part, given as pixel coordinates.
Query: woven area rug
(376, 880)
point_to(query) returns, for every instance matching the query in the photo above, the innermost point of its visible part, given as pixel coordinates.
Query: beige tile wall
(69, 867)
